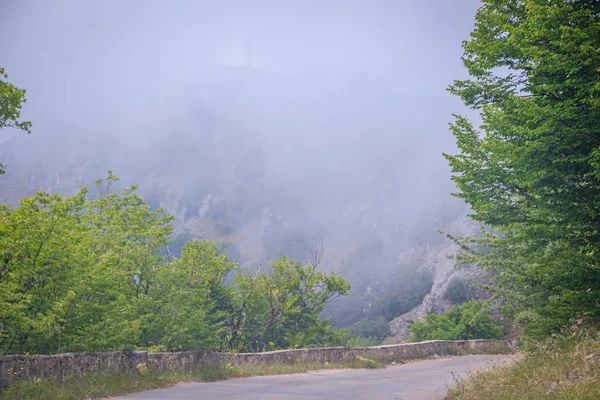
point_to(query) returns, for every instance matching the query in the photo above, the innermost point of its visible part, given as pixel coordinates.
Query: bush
(458, 291)
(472, 320)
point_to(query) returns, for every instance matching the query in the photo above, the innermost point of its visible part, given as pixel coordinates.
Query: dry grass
(114, 384)
(563, 368)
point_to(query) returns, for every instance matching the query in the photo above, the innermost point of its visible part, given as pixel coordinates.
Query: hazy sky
(125, 67)
(414, 45)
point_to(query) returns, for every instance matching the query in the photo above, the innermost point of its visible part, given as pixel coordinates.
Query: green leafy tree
(90, 274)
(11, 101)
(531, 173)
(40, 270)
(77, 274)
(281, 308)
(472, 320)
(125, 252)
(187, 310)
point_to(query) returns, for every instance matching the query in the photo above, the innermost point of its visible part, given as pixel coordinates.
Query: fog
(267, 125)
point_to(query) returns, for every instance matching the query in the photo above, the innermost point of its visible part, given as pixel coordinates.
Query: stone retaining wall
(15, 367)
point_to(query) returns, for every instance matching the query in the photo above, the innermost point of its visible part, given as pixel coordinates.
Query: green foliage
(78, 274)
(472, 320)
(458, 291)
(531, 175)
(186, 310)
(92, 275)
(11, 101)
(564, 367)
(281, 308)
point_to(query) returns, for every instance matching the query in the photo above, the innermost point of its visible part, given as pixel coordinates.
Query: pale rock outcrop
(438, 260)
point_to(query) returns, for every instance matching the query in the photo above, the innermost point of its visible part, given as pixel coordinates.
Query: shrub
(472, 320)
(564, 367)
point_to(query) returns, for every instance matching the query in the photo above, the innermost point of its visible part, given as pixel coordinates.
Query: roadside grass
(105, 384)
(566, 367)
(94, 386)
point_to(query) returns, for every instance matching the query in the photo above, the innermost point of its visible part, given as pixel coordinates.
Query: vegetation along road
(421, 380)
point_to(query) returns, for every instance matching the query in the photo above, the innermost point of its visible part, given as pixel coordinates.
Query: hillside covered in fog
(269, 164)
(265, 152)
(340, 156)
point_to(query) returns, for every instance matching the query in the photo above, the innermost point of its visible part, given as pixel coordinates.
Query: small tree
(283, 306)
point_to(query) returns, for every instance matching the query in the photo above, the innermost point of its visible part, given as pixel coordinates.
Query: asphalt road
(420, 380)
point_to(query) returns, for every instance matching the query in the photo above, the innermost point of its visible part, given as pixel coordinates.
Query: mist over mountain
(340, 157)
(269, 141)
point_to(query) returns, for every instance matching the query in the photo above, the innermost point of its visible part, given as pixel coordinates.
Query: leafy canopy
(89, 274)
(531, 173)
(472, 320)
(282, 308)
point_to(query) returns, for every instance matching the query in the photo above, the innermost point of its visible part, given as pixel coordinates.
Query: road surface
(420, 380)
